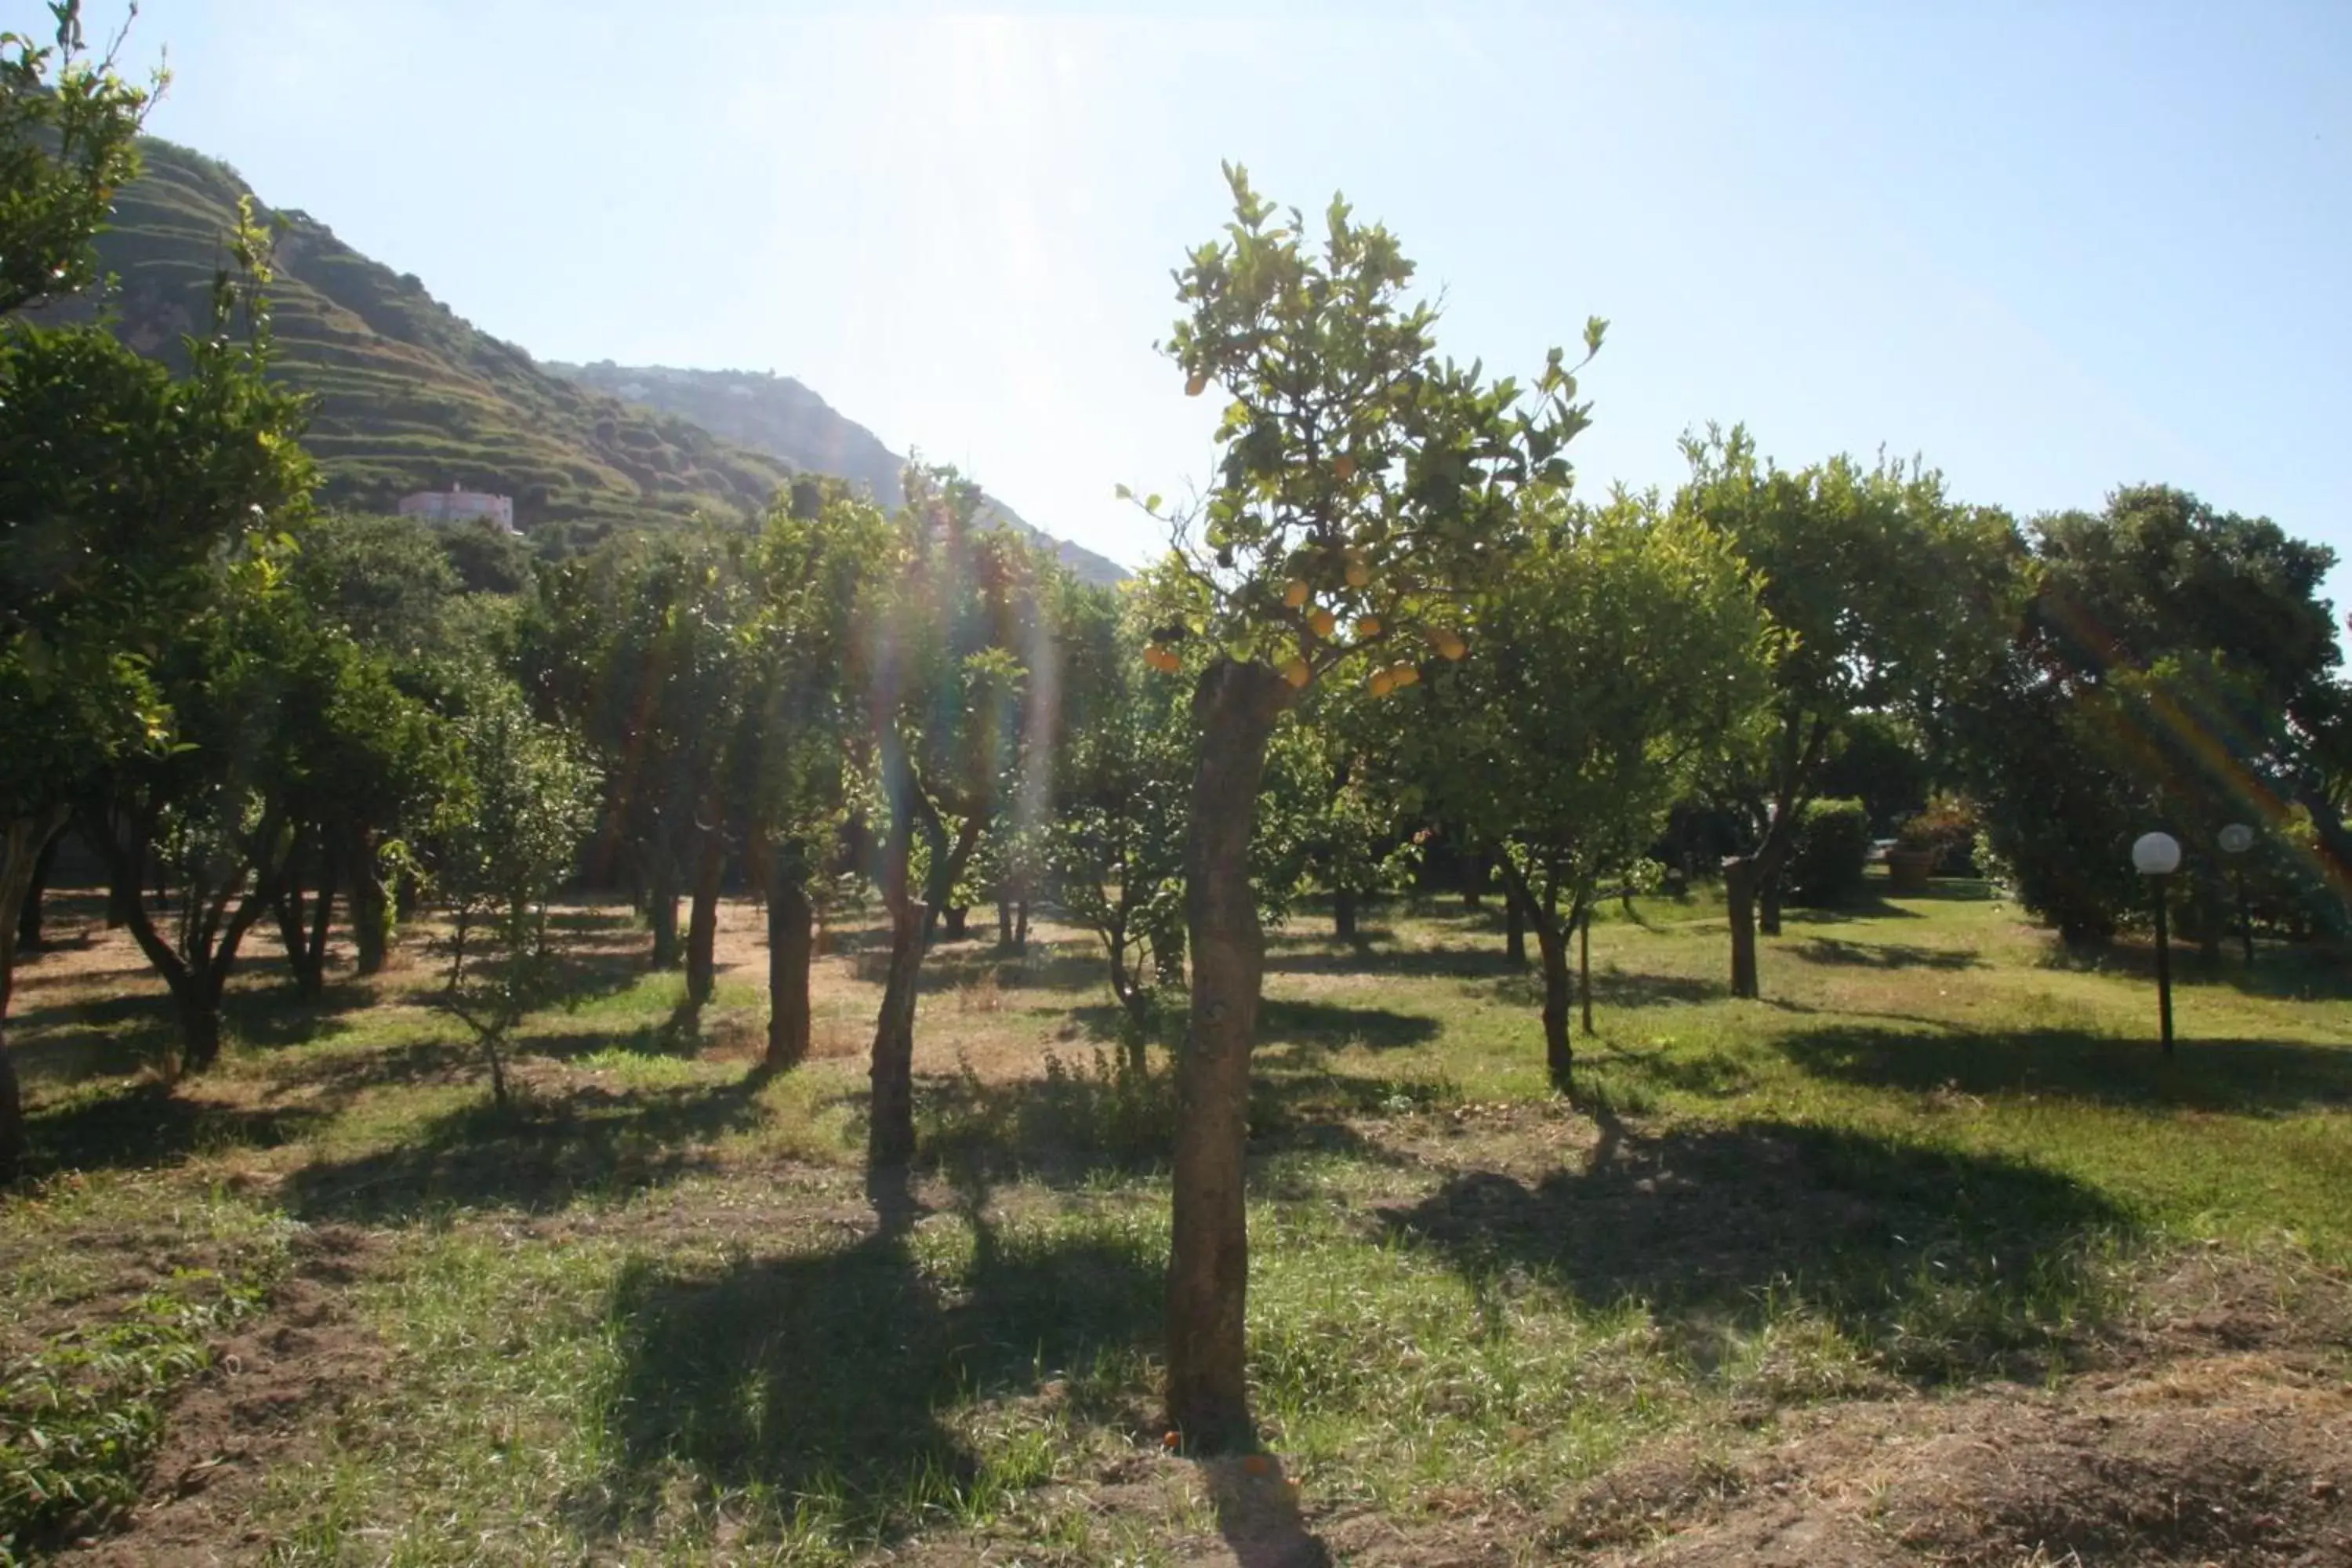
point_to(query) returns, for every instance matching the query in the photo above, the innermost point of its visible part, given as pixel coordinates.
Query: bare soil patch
(298, 1361)
(2216, 1429)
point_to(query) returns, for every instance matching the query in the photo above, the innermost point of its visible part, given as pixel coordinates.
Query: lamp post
(2236, 839)
(2157, 856)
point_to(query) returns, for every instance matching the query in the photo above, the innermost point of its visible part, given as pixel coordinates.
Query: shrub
(1947, 829)
(1832, 847)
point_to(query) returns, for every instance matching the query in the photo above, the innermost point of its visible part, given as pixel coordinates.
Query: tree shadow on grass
(136, 1041)
(1097, 1111)
(1862, 906)
(95, 1013)
(1830, 949)
(277, 1017)
(1062, 967)
(1943, 1265)
(120, 1034)
(1417, 962)
(2252, 1078)
(829, 1379)
(539, 1156)
(1257, 1513)
(588, 975)
(450, 1055)
(596, 920)
(678, 1033)
(1325, 1026)
(2289, 973)
(340, 1077)
(1714, 1074)
(1615, 988)
(1298, 1027)
(145, 1126)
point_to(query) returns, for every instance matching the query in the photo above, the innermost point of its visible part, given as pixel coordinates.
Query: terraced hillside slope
(412, 396)
(788, 420)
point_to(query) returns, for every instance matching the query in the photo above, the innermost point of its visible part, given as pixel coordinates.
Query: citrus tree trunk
(1746, 880)
(29, 918)
(890, 1136)
(890, 1127)
(1584, 967)
(702, 920)
(24, 841)
(1560, 1054)
(792, 939)
(661, 905)
(371, 905)
(1167, 944)
(1343, 914)
(1208, 1267)
(212, 920)
(1552, 946)
(1740, 903)
(303, 923)
(1515, 930)
(1802, 747)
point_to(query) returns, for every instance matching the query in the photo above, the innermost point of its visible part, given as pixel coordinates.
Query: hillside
(783, 419)
(410, 396)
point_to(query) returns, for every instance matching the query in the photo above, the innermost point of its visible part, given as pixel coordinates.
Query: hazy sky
(2052, 247)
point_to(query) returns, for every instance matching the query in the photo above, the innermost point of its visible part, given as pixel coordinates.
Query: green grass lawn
(660, 1313)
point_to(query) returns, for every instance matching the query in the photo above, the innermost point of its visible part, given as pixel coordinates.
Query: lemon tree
(1366, 491)
(1627, 658)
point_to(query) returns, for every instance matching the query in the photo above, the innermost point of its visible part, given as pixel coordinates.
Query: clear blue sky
(2051, 248)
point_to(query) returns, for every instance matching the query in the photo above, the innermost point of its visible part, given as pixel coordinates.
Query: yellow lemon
(1295, 595)
(1367, 626)
(1294, 671)
(1405, 674)
(1197, 385)
(1358, 574)
(1321, 622)
(1344, 465)
(1382, 683)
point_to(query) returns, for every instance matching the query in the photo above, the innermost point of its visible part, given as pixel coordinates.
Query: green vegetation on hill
(409, 395)
(788, 420)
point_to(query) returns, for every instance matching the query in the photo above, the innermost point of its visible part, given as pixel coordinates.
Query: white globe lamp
(2156, 854)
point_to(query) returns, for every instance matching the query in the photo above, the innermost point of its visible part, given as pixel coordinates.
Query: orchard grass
(658, 1311)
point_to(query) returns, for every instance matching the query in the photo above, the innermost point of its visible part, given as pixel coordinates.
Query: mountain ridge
(785, 418)
(408, 395)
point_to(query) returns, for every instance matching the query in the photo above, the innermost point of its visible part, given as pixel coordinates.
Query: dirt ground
(2215, 1426)
(271, 1382)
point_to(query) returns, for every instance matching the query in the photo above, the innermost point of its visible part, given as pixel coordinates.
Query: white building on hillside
(455, 504)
